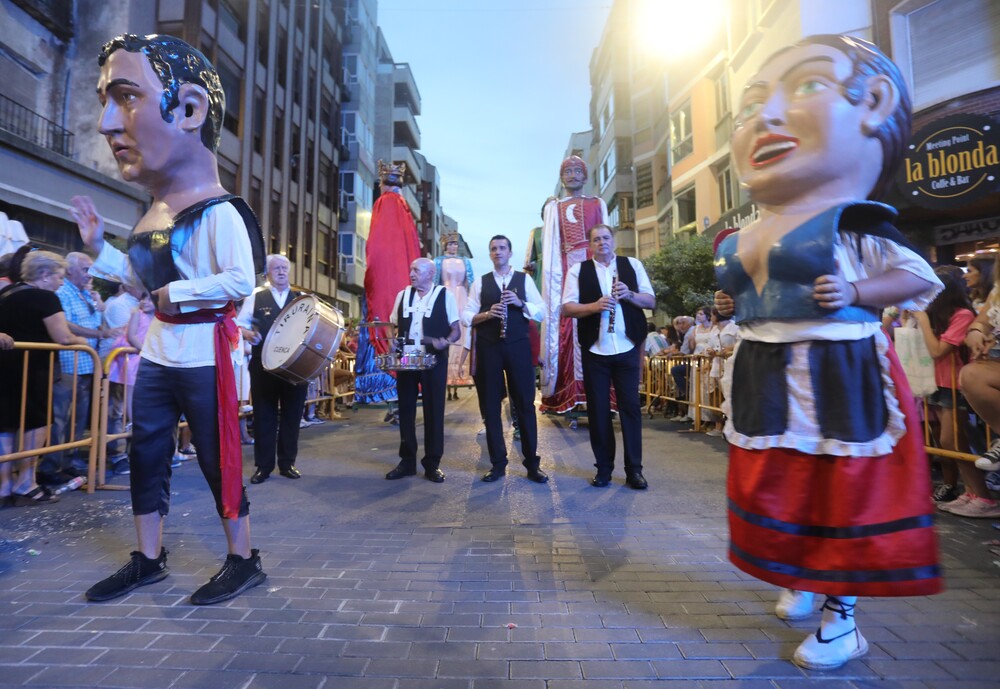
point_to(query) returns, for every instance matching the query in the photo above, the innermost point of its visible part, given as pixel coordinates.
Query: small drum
(303, 339)
(395, 361)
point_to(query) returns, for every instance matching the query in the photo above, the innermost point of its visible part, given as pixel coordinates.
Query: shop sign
(952, 161)
(737, 218)
(971, 231)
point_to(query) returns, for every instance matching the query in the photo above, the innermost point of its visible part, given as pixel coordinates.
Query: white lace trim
(811, 442)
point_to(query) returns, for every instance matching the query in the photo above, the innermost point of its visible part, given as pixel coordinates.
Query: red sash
(230, 450)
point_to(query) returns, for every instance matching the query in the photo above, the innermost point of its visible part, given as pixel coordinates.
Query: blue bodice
(794, 263)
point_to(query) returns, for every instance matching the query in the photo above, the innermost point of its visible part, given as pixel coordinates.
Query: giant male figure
(196, 250)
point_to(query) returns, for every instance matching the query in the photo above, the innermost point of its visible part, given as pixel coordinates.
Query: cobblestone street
(413, 585)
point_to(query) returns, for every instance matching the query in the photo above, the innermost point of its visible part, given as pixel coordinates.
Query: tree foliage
(682, 275)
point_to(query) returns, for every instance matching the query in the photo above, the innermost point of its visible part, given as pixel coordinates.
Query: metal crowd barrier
(91, 442)
(704, 394)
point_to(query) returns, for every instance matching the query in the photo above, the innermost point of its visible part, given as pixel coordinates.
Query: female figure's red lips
(771, 148)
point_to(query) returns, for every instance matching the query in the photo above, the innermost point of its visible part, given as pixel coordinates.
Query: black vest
(588, 328)
(517, 324)
(265, 312)
(435, 325)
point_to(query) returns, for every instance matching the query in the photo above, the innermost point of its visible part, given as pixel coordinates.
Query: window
(293, 230)
(307, 241)
(324, 254)
(258, 122)
(282, 57)
(296, 159)
(608, 112)
(279, 140)
(347, 246)
(230, 78)
(231, 18)
(347, 185)
(308, 162)
(325, 189)
(685, 201)
(681, 139)
(350, 69)
(942, 67)
(275, 229)
(297, 77)
(722, 107)
(326, 115)
(726, 196)
(644, 185)
(607, 169)
(263, 32)
(256, 200)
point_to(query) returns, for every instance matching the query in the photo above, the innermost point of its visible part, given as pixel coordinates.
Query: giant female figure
(454, 272)
(828, 482)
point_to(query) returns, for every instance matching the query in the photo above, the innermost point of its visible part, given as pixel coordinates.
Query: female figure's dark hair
(953, 297)
(981, 289)
(673, 337)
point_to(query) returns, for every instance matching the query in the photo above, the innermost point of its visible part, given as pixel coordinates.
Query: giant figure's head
(573, 173)
(826, 117)
(176, 63)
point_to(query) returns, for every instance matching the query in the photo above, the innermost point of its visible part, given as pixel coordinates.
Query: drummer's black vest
(265, 311)
(517, 325)
(435, 325)
(588, 328)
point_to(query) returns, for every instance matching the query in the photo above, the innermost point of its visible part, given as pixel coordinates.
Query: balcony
(404, 127)
(403, 154)
(405, 87)
(29, 125)
(54, 15)
(351, 275)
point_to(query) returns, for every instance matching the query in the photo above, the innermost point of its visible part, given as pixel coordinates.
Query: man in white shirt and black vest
(499, 308)
(427, 317)
(607, 295)
(274, 432)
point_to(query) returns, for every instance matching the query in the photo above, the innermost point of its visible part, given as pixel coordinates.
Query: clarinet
(503, 318)
(611, 317)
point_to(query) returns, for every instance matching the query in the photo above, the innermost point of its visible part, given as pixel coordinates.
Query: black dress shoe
(600, 481)
(400, 472)
(259, 476)
(493, 474)
(636, 481)
(290, 472)
(434, 475)
(538, 476)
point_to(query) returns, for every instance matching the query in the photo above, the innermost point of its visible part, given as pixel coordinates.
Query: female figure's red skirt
(843, 526)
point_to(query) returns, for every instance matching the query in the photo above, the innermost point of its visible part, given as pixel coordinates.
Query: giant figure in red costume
(392, 246)
(564, 244)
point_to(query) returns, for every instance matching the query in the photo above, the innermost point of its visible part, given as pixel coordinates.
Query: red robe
(393, 245)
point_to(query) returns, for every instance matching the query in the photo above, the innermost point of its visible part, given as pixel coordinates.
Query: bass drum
(303, 339)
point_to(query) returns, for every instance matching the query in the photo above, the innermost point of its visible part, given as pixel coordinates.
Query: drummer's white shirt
(422, 306)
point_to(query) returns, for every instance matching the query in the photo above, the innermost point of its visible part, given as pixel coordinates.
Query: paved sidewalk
(412, 585)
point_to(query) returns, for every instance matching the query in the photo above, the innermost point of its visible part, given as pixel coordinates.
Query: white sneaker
(482, 431)
(817, 653)
(304, 424)
(960, 501)
(978, 508)
(794, 605)
(990, 461)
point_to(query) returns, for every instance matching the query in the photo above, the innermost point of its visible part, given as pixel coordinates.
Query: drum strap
(230, 451)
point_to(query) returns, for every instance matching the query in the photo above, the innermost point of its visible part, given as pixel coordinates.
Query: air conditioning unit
(342, 214)
(345, 93)
(345, 152)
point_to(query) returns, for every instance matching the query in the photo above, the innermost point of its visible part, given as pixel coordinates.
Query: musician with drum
(426, 317)
(499, 308)
(277, 403)
(607, 295)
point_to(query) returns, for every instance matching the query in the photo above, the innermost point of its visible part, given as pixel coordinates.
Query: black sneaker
(236, 576)
(139, 571)
(945, 492)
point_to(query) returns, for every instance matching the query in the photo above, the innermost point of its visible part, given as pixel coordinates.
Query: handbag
(916, 361)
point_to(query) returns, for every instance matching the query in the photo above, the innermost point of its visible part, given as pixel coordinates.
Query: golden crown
(387, 172)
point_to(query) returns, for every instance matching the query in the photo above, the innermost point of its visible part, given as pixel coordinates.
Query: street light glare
(672, 29)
